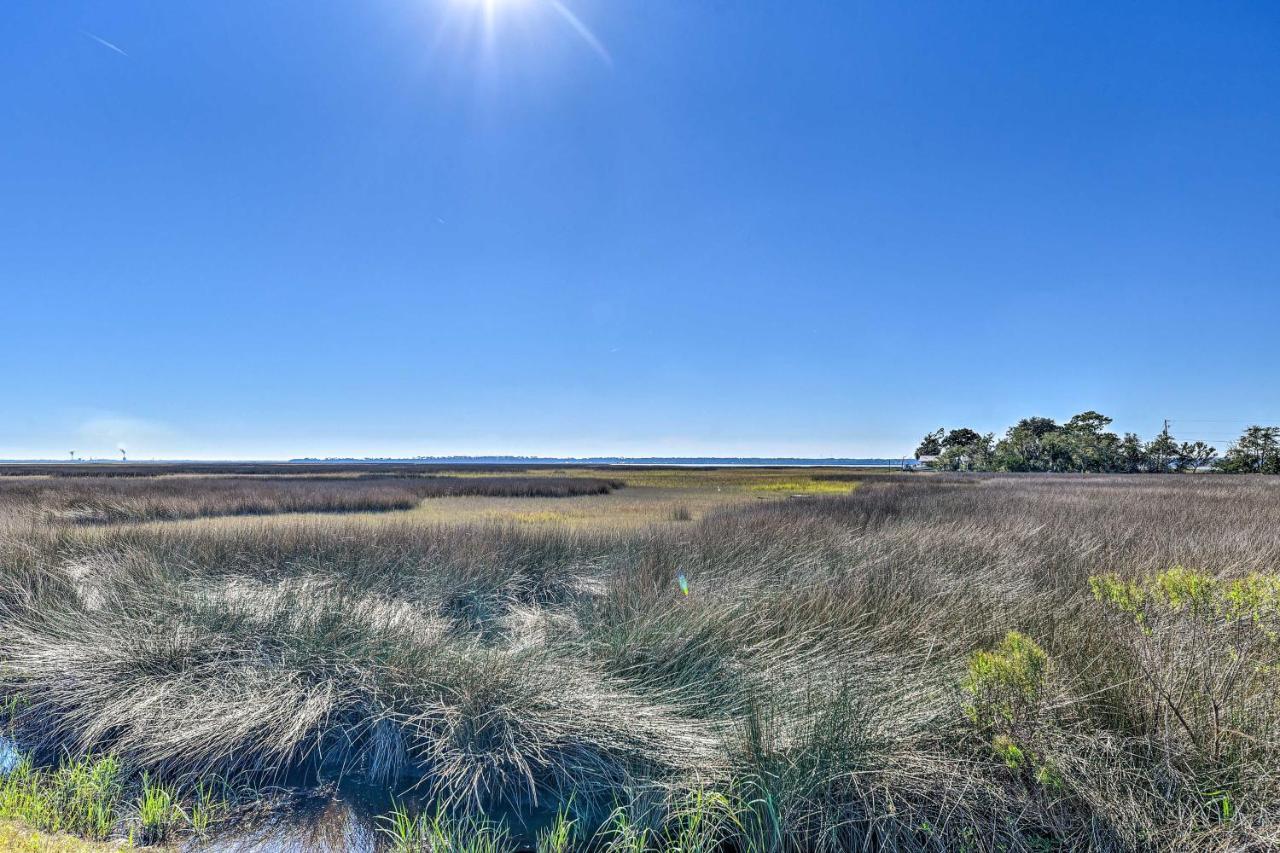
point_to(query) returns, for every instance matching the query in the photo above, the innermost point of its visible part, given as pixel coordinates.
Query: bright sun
(491, 10)
(491, 6)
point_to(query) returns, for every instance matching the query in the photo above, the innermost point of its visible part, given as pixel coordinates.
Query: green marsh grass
(159, 814)
(562, 835)
(440, 832)
(78, 796)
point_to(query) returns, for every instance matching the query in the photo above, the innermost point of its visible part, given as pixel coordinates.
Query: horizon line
(461, 458)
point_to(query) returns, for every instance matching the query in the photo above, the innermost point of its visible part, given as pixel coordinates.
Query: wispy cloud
(100, 40)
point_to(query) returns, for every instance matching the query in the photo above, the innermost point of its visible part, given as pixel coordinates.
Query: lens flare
(491, 10)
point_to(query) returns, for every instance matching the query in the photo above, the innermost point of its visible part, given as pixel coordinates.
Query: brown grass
(100, 500)
(819, 675)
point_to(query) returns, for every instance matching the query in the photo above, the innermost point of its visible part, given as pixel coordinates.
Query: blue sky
(630, 226)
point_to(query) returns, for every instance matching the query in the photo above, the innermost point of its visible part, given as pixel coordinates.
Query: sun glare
(492, 10)
(491, 7)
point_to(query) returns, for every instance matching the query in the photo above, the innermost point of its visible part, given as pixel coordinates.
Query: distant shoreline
(640, 461)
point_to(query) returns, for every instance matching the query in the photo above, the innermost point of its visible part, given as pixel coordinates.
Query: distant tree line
(1084, 444)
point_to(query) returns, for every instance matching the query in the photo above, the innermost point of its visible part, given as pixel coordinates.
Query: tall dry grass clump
(929, 663)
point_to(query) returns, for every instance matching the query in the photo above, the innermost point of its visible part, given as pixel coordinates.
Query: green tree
(1092, 447)
(1131, 455)
(965, 449)
(1257, 451)
(1162, 451)
(1059, 451)
(1084, 444)
(1192, 456)
(931, 444)
(963, 437)
(1022, 448)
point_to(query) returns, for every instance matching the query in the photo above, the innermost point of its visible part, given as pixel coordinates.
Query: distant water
(516, 461)
(710, 461)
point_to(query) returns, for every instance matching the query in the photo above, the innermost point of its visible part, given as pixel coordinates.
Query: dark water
(327, 821)
(346, 818)
(332, 819)
(318, 823)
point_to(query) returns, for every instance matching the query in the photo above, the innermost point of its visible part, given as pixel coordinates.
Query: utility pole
(1164, 434)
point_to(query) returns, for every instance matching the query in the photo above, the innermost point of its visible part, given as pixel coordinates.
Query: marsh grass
(79, 796)
(562, 835)
(159, 814)
(842, 674)
(89, 797)
(440, 832)
(105, 500)
(807, 486)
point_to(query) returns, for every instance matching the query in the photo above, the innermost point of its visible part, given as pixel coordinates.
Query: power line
(1244, 422)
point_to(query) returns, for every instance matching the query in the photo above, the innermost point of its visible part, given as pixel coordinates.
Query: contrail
(582, 30)
(104, 43)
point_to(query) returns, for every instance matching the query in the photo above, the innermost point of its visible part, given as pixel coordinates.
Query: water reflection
(333, 819)
(342, 819)
(8, 754)
(313, 824)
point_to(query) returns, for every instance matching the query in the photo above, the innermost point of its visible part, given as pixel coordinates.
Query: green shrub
(1049, 777)
(1207, 648)
(1006, 685)
(1008, 688)
(1181, 592)
(1007, 751)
